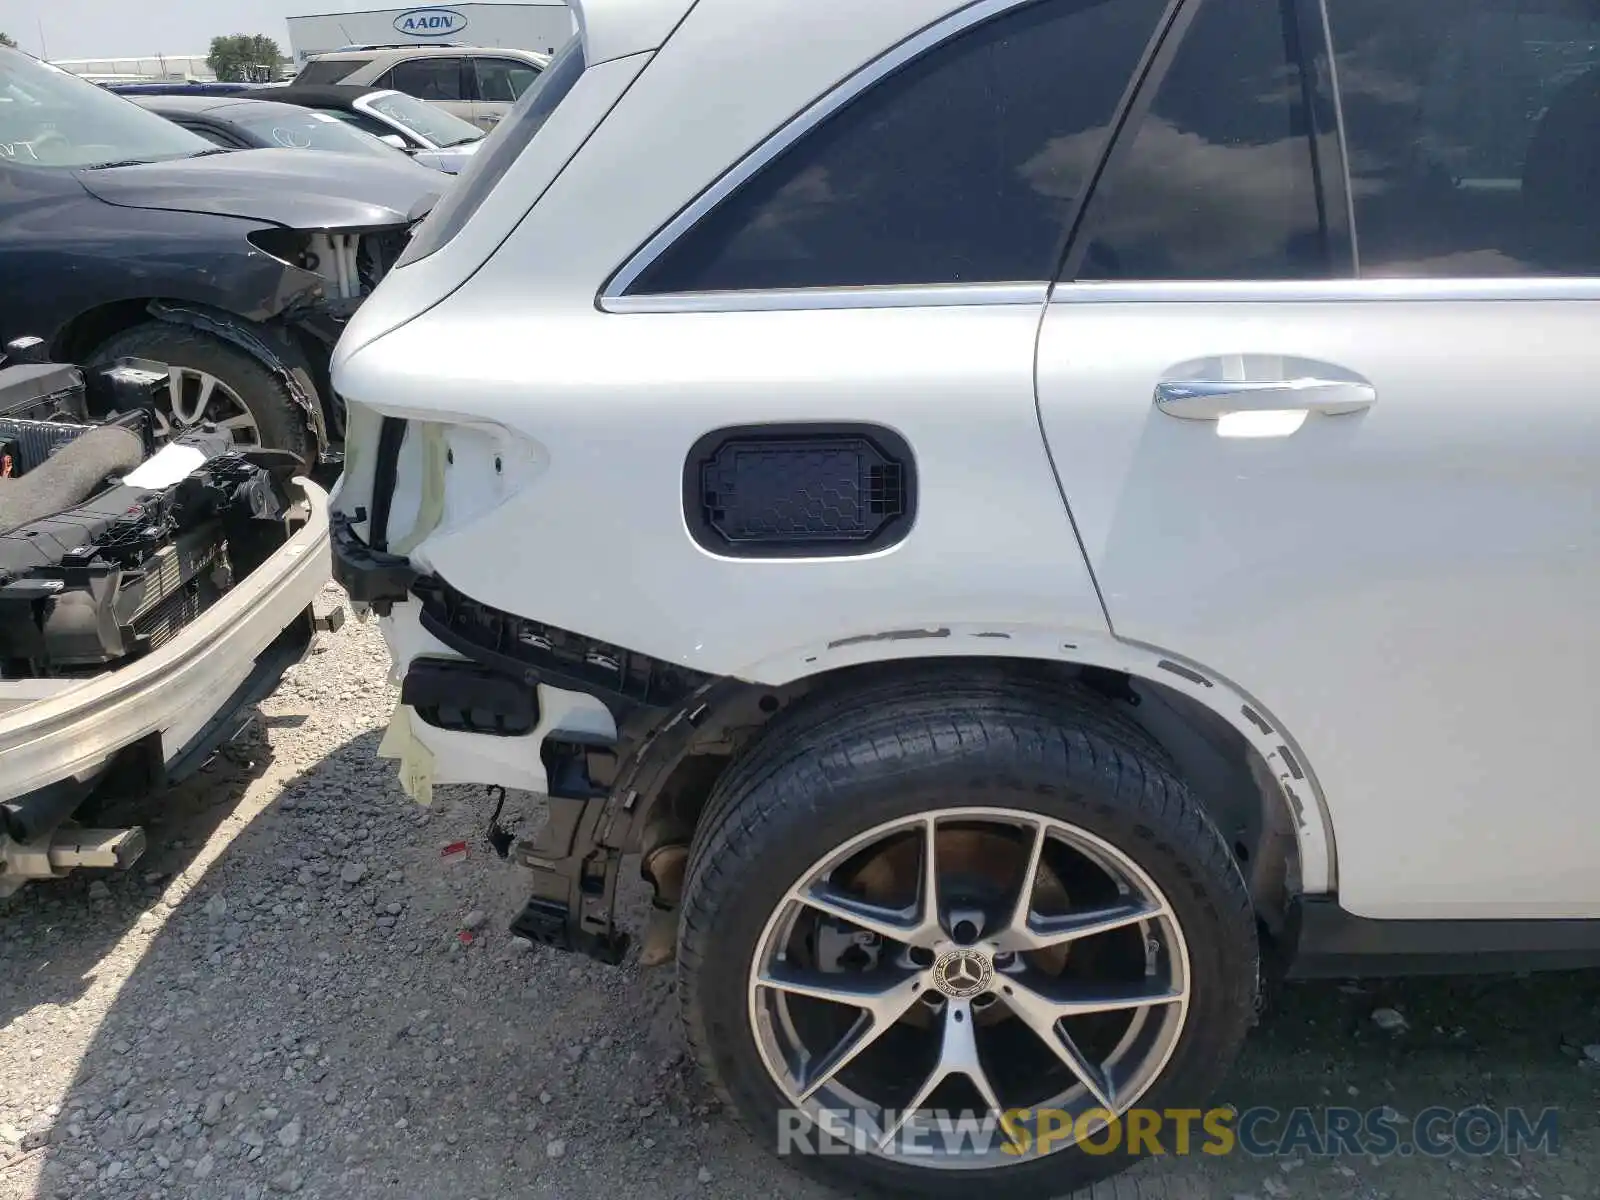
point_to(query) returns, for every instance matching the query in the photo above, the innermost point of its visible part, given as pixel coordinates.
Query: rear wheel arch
(1246, 771)
(985, 752)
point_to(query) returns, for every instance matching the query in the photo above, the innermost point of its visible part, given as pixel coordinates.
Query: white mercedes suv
(1029, 517)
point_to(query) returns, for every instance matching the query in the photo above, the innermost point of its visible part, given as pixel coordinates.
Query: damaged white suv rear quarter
(933, 480)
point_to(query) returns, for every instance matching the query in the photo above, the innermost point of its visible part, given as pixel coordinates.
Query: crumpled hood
(298, 189)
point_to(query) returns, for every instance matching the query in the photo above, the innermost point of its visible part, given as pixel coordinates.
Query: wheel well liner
(662, 796)
(85, 333)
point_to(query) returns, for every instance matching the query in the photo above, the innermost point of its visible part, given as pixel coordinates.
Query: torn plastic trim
(430, 509)
(626, 681)
(295, 378)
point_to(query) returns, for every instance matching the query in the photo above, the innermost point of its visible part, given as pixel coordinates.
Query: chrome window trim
(1328, 290)
(796, 128)
(940, 295)
(1511, 288)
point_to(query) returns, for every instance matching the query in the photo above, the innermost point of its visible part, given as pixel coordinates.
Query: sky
(133, 28)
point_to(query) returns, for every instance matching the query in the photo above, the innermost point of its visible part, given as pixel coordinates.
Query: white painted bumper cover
(71, 733)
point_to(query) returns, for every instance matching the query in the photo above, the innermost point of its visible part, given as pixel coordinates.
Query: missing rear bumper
(491, 695)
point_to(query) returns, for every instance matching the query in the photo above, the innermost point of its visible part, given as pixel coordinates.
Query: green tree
(244, 56)
(5, 40)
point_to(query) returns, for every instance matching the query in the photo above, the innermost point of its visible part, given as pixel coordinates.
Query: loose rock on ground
(278, 1001)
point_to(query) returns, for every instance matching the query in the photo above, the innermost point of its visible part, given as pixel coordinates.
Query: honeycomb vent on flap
(768, 491)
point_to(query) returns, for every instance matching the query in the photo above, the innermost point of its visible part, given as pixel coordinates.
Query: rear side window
(965, 166)
(1216, 180)
(428, 78)
(321, 72)
(1474, 135)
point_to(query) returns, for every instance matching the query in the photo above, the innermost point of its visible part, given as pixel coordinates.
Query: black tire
(823, 775)
(281, 421)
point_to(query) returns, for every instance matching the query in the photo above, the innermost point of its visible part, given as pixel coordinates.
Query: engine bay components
(108, 550)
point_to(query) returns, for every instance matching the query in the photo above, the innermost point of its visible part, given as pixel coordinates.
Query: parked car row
(351, 120)
(476, 84)
(124, 233)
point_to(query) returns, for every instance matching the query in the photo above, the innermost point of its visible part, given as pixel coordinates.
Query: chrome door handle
(1211, 399)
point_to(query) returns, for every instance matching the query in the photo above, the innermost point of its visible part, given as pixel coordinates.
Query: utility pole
(44, 50)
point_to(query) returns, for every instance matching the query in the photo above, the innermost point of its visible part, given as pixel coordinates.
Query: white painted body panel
(618, 28)
(414, 288)
(618, 402)
(1410, 589)
(451, 160)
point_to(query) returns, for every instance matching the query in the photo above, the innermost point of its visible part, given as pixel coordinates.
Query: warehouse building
(537, 26)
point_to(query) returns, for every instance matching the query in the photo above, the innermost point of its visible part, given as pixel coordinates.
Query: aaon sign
(430, 22)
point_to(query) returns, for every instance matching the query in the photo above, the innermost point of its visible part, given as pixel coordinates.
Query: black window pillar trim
(1330, 160)
(1131, 112)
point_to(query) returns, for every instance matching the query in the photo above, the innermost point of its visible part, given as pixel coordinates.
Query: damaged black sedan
(122, 234)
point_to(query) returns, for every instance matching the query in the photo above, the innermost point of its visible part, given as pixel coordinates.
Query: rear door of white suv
(1341, 444)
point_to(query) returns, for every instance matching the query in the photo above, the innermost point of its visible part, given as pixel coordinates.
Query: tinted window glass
(330, 72)
(438, 125)
(1217, 181)
(428, 78)
(963, 167)
(1474, 134)
(503, 80)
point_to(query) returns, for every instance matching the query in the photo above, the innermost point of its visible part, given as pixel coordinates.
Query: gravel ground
(293, 994)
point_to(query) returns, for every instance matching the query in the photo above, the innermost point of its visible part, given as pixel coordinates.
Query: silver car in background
(430, 135)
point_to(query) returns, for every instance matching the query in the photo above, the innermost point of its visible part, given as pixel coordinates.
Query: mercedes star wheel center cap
(962, 974)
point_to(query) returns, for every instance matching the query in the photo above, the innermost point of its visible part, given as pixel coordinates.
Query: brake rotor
(977, 867)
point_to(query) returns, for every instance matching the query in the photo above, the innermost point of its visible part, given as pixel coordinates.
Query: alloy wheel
(198, 397)
(964, 963)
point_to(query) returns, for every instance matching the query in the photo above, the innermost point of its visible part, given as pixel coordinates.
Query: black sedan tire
(218, 382)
